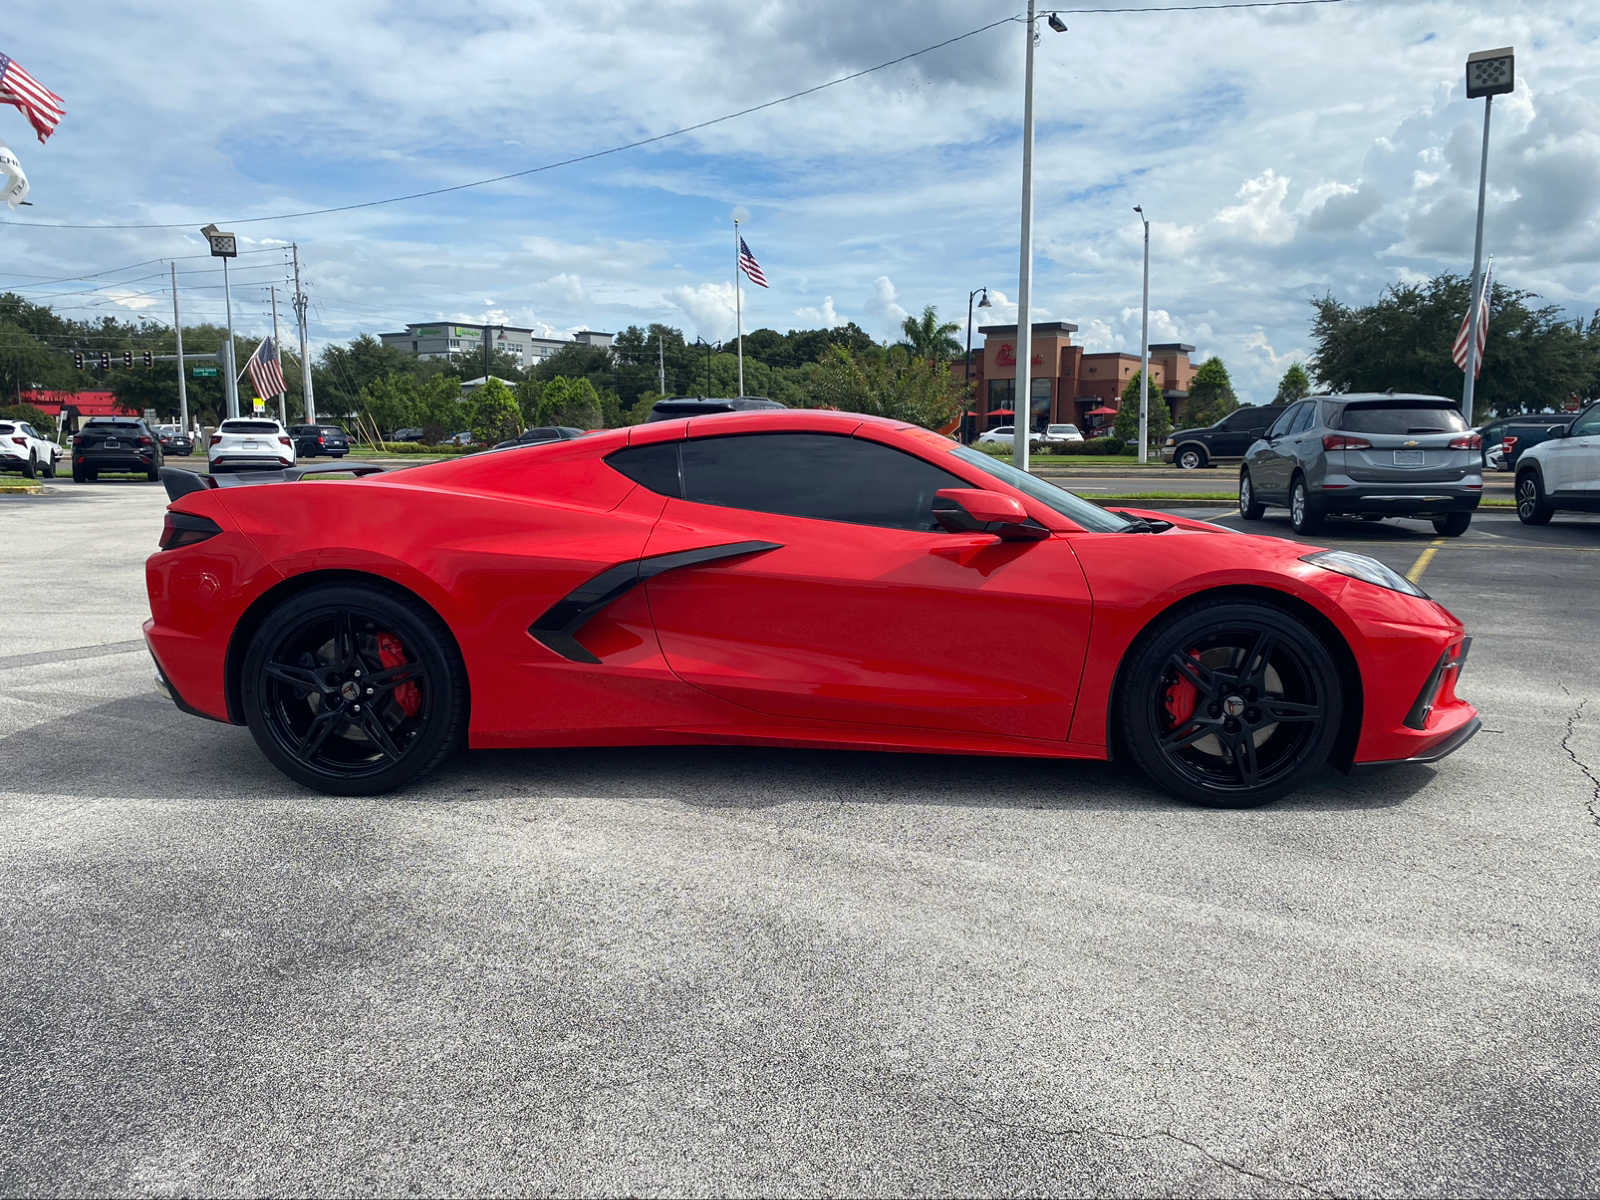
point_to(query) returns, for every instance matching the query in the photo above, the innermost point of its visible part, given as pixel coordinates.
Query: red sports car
(788, 579)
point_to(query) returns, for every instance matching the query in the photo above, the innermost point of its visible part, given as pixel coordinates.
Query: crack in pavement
(1593, 804)
(1125, 1136)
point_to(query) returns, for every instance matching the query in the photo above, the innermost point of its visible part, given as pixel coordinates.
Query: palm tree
(927, 338)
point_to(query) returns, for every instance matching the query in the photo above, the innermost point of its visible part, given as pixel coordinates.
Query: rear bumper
(1396, 500)
(116, 460)
(250, 462)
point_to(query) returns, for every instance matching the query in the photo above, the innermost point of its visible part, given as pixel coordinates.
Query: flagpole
(283, 400)
(738, 305)
(1470, 386)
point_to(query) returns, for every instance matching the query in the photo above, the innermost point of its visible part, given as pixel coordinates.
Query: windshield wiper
(1141, 524)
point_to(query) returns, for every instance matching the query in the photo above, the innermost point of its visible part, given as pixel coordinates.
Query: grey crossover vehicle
(1366, 455)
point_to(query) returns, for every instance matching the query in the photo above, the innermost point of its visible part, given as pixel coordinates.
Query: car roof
(1365, 397)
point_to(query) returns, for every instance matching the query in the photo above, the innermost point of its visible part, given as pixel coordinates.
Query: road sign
(205, 372)
(258, 405)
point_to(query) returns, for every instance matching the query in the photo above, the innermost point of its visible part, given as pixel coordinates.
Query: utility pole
(305, 360)
(1144, 347)
(277, 348)
(661, 365)
(183, 385)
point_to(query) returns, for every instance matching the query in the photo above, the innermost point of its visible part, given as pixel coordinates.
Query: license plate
(252, 445)
(112, 443)
(1408, 458)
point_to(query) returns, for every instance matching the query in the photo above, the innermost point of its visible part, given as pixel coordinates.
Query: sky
(1281, 154)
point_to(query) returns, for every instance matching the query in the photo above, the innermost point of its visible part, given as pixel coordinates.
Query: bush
(410, 448)
(998, 449)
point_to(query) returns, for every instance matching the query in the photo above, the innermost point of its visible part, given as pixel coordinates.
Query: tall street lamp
(1490, 73)
(1022, 408)
(1144, 346)
(984, 303)
(226, 246)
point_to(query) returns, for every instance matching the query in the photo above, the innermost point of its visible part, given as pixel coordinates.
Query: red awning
(1102, 412)
(1002, 412)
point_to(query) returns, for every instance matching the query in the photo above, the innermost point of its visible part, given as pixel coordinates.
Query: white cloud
(709, 307)
(883, 308)
(821, 315)
(1259, 216)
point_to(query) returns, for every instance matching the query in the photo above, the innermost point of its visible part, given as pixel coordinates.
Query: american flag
(265, 371)
(1459, 350)
(749, 265)
(39, 104)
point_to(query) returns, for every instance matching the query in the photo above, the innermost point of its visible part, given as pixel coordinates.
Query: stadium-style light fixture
(1491, 73)
(1057, 23)
(225, 246)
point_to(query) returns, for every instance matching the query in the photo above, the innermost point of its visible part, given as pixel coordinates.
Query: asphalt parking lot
(778, 972)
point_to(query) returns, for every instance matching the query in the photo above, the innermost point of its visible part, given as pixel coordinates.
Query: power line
(143, 263)
(1092, 12)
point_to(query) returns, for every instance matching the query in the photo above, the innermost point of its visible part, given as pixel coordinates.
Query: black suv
(537, 434)
(115, 444)
(699, 406)
(1230, 437)
(312, 440)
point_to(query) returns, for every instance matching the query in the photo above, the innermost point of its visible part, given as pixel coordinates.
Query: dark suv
(1229, 438)
(537, 434)
(115, 444)
(699, 406)
(312, 440)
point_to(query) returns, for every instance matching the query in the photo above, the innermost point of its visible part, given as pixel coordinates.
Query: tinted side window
(1307, 417)
(654, 466)
(823, 476)
(1282, 424)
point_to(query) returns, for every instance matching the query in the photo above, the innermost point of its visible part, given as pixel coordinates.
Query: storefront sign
(1007, 356)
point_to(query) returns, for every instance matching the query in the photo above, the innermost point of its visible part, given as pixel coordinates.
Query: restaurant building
(1067, 385)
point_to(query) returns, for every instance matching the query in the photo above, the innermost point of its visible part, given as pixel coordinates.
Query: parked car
(1562, 472)
(464, 438)
(1057, 436)
(312, 440)
(508, 609)
(1525, 432)
(699, 406)
(536, 434)
(250, 444)
(115, 444)
(1370, 455)
(406, 435)
(22, 448)
(1224, 440)
(1494, 457)
(174, 440)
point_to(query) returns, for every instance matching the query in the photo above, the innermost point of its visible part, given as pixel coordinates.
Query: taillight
(286, 441)
(1343, 441)
(185, 529)
(21, 441)
(1470, 441)
(77, 439)
(144, 441)
(322, 441)
(1508, 444)
(216, 439)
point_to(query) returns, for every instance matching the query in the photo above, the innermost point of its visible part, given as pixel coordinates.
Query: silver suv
(1366, 454)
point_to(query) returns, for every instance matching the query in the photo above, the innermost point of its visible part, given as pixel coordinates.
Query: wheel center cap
(350, 690)
(1233, 706)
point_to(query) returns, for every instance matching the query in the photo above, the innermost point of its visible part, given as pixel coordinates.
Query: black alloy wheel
(1250, 508)
(1532, 507)
(353, 690)
(1230, 704)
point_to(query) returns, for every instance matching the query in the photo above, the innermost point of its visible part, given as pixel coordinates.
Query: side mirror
(1557, 431)
(974, 510)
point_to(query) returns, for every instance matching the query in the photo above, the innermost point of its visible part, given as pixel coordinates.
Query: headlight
(1170, 442)
(1368, 570)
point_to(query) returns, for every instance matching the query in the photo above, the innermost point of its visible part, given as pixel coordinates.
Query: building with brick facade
(1068, 385)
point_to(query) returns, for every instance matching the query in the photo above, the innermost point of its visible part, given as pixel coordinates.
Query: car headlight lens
(1368, 570)
(1171, 442)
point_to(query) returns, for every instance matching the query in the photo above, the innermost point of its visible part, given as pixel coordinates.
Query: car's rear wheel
(1304, 514)
(353, 691)
(1250, 508)
(1452, 524)
(1230, 704)
(48, 467)
(30, 469)
(1191, 458)
(1533, 508)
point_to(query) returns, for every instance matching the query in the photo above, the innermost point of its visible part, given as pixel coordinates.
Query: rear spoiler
(179, 482)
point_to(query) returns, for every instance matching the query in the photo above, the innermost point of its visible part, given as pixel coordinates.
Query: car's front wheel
(353, 691)
(1230, 704)
(1191, 458)
(1250, 508)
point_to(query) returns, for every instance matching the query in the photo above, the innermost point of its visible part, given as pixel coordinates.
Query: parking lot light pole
(984, 303)
(226, 246)
(1144, 346)
(1490, 73)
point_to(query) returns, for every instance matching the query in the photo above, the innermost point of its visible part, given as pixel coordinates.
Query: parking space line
(1423, 559)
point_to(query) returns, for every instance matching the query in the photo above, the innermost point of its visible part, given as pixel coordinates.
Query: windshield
(1076, 509)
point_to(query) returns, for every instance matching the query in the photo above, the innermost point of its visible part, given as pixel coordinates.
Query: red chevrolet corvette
(786, 579)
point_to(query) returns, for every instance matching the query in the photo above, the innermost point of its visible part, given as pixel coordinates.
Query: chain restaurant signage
(1007, 356)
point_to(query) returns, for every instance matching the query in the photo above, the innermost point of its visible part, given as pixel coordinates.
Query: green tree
(1210, 394)
(1294, 384)
(927, 338)
(1126, 426)
(493, 415)
(1533, 358)
(571, 402)
(892, 384)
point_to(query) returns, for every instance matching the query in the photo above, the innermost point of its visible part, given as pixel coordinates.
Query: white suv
(23, 449)
(250, 444)
(1562, 472)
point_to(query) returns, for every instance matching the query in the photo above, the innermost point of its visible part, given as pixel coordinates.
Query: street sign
(205, 372)
(258, 405)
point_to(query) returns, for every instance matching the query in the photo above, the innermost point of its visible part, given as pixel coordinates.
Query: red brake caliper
(1181, 697)
(392, 653)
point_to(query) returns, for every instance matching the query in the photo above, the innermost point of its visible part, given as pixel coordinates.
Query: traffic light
(105, 361)
(127, 358)
(147, 358)
(77, 359)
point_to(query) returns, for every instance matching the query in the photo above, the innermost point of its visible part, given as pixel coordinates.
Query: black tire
(308, 696)
(1533, 506)
(49, 468)
(1264, 704)
(1191, 458)
(154, 474)
(1305, 516)
(79, 475)
(30, 469)
(1452, 524)
(93, 473)
(1250, 508)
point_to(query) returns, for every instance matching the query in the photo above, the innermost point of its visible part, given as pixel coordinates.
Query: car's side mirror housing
(974, 510)
(1556, 431)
